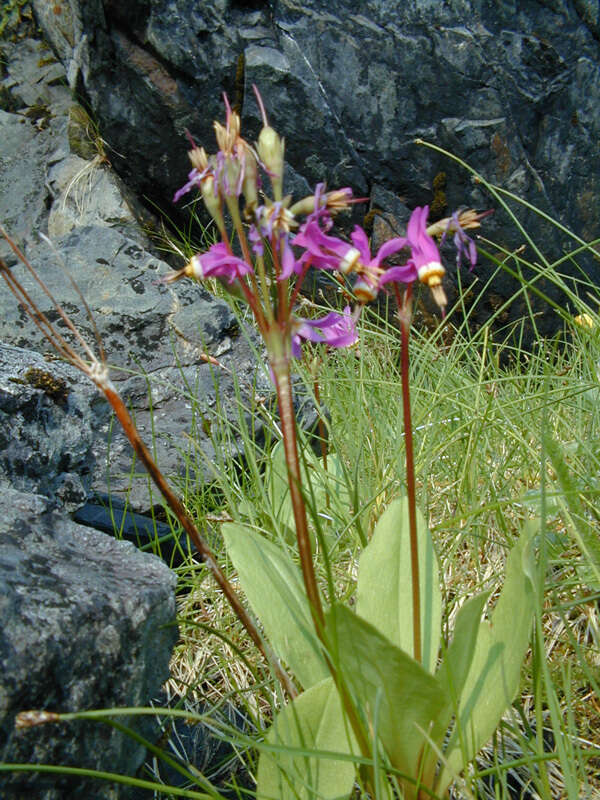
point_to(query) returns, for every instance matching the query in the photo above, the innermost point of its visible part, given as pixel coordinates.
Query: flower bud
(584, 321)
(271, 148)
(211, 198)
(250, 183)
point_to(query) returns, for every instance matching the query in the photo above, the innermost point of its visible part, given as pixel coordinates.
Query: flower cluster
(279, 241)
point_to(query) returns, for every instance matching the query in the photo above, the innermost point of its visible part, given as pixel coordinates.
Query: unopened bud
(304, 207)
(212, 201)
(250, 183)
(584, 321)
(271, 148)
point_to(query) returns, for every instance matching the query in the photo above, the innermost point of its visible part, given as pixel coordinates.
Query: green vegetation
(497, 442)
(507, 469)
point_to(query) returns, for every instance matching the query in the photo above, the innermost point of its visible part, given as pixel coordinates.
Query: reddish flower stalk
(404, 315)
(283, 385)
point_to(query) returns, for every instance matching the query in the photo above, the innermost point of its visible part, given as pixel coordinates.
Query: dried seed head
(228, 134)
(198, 157)
(29, 719)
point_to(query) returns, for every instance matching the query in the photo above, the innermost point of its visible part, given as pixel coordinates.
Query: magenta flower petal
(388, 248)
(416, 224)
(405, 274)
(423, 247)
(327, 251)
(219, 262)
(287, 259)
(361, 242)
(336, 330)
(194, 180)
(465, 246)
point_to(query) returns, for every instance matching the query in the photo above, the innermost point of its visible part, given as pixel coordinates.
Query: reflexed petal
(194, 180)
(361, 242)
(405, 274)
(424, 249)
(218, 262)
(288, 262)
(389, 247)
(472, 253)
(415, 225)
(336, 330)
(327, 251)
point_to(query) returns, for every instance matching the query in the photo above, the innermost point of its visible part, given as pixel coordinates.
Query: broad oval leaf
(274, 588)
(398, 696)
(312, 724)
(385, 583)
(452, 674)
(493, 677)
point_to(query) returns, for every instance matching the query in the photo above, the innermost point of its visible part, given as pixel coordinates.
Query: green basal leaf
(274, 588)
(399, 697)
(456, 661)
(314, 722)
(493, 676)
(452, 674)
(276, 485)
(385, 583)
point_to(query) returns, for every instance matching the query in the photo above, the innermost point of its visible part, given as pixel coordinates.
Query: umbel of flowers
(296, 237)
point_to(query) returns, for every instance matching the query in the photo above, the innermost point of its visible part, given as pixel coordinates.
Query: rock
(88, 622)
(108, 513)
(154, 335)
(46, 433)
(513, 89)
(204, 746)
(85, 194)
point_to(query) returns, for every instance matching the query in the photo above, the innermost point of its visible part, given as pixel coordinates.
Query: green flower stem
(404, 315)
(283, 304)
(262, 274)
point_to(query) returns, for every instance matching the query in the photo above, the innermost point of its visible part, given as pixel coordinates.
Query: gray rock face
(512, 88)
(46, 431)
(153, 335)
(87, 622)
